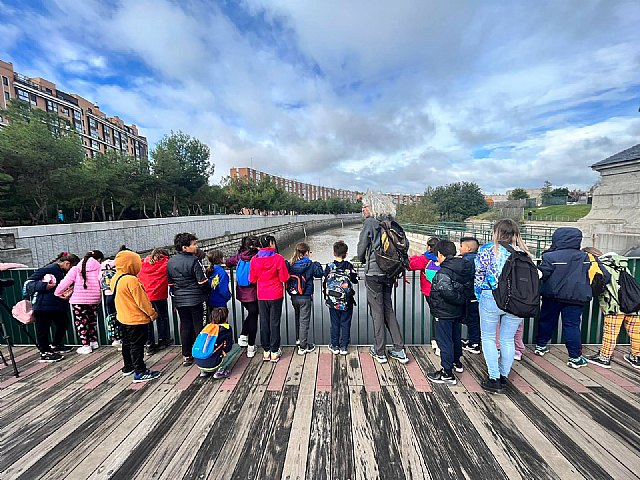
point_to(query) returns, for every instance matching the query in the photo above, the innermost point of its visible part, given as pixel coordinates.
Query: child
(302, 271)
(469, 249)
(268, 270)
(339, 278)
(246, 292)
(218, 280)
(153, 276)
(214, 349)
(134, 313)
(114, 329)
(565, 290)
(448, 298)
(84, 279)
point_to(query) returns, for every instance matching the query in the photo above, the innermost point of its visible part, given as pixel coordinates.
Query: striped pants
(611, 329)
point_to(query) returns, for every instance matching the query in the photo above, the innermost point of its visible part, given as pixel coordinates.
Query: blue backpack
(212, 345)
(242, 273)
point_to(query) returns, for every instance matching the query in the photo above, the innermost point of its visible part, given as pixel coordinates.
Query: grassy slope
(565, 213)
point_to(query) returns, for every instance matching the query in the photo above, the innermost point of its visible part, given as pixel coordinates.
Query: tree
(546, 191)
(518, 194)
(458, 201)
(421, 212)
(560, 192)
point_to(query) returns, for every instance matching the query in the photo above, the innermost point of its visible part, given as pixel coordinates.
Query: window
(49, 91)
(94, 144)
(76, 116)
(52, 106)
(5, 81)
(78, 127)
(65, 111)
(94, 133)
(7, 97)
(22, 95)
(34, 99)
(92, 123)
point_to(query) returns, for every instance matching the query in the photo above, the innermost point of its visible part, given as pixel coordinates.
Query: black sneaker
(503, 381)
(634, 360)
(187, 361)
(308, 349)
(598, 360)
(50, 357)
(458, 366)
(472, 348)
(127, 371)
(151, 349)
(441, 376)
(165, 343)
(61, 348)
(492, 385)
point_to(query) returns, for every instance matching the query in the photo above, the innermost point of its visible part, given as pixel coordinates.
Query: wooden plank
(162, 362)
(354, 372)
(341, 444)
(558, 358)
(187, 380)
(369, 375)
(238, 370)
(294, 374)
(24, 374)
(319, 458)
(418, 379)
(385, 376)
(618, 364)
(89, 359)
(323, 380)
(558, 374)
(279, 377)
(365, 464)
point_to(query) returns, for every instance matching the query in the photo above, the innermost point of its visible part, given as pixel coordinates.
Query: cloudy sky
(361, 94)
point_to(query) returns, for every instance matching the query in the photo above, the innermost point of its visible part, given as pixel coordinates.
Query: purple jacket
(249, 293)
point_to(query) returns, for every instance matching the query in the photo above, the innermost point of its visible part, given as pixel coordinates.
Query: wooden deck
(317, 416)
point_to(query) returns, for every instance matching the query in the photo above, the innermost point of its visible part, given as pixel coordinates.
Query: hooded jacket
(609, 300)
(269, 271)
(186, 274)
(421, 262)
(369, 239)
(565, 269)
(82, 296)
(451, 289)
(132, 304)
(250, 292)
(219, 282)
(154, 278)
(46, 301)
(309, 270)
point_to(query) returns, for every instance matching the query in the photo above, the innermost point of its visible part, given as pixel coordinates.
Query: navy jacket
(451, 289)
(309, 270)
(46, 301)
(565, 269)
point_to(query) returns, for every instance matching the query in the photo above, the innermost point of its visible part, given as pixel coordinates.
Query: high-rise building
(99, 133)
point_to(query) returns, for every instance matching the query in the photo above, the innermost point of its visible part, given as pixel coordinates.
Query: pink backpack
(23, 312)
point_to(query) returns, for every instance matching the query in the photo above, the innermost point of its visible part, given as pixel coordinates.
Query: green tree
(421, 212)
(560, 192)
(458, 201)
(518, 194)
(546, 191)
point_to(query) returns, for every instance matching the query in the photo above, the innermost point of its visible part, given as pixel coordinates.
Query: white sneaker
(94, 345)
(85, 350)
(251, 351)
(243, 341)
(116, 343)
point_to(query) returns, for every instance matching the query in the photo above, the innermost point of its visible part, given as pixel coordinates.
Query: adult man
(379, 285)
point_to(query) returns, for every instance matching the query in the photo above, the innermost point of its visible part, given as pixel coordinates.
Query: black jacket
(451, 289)
(187, 279)
(45, 300)
(565, 269)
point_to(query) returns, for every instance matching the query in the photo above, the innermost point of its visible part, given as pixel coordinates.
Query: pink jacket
(268, 270)
(82, 296)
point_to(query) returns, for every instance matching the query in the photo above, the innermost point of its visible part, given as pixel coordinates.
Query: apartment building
(99, 132)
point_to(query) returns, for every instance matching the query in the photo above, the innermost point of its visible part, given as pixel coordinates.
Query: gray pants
(302, 307)
(379, 291)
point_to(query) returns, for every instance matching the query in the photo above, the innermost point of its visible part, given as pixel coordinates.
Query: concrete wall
(46, 241)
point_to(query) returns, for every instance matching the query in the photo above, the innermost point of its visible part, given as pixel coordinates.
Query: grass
(559, 213)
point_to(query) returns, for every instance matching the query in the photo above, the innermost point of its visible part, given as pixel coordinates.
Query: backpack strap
(117, 281)
(508, 246)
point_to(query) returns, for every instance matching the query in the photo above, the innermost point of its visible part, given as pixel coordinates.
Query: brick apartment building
(99, 133)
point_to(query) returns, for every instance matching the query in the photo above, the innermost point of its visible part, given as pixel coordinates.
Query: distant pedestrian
(60, 216)
(530, 215)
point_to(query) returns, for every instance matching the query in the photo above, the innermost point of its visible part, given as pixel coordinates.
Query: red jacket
(154, 278)
(420, 262)
(268, 270)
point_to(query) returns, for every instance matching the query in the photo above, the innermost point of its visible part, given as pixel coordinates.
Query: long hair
(157, 254)
(506, 230)
(98, 255)
(66, 257)
(248, 244)
(301, 251)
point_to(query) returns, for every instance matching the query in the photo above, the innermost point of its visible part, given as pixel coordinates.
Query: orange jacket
(132, 303)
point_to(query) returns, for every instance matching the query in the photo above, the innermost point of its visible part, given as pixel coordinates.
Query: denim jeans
(550, 311)
(490, 316)
(473, 323)
(340, 327)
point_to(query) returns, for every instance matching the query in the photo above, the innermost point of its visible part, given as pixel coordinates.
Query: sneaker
(333, 349)
(518, 356)
(50, 357)
(297, 342)
(145, 377)
(540, 351)
(399, 356)
(275, 356)
(127, 371)
(634, 360)
(344, 351)
(472, 348)
(151, 349)
(308, 349)
(493, 385)
(376, 357)
(94, 345)
(598, 360)
(85, 350)
(266, 356)
(187, 361)
(220, 374)
(251, 351)
(165, 343)
(576, 362)
(243, 341)
(503, 381)
(458, 367)
(441, 376)
(464, 343)
(61, 348)
(204, 374)
(117, 343)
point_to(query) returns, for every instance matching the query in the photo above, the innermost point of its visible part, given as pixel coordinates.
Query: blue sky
(390, 96)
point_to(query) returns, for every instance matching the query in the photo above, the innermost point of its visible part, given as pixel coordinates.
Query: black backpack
(629, 293)
(518, 291)
(392, 253)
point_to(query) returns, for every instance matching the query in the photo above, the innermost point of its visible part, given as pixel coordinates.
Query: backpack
(392, 252)
(242, 273)
(296, 284)
(629, 293)
(518, 291)
(338, 289)
(108, 272)
(211, 346)
(596, 277)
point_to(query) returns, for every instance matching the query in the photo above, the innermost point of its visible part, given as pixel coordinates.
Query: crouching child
(214, 350)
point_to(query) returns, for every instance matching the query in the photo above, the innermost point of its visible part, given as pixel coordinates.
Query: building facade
(99, 132)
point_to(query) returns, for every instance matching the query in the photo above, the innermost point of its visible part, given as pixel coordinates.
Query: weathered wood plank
(354, 372)
(365, 464)
(369, 375)
(341, 444)
(319, 458)
(279, 377)
(294, 374)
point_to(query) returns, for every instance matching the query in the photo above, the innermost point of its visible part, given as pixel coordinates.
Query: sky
(363, 95)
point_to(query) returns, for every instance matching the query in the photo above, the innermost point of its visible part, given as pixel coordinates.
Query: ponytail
(96, 254)
(302, 249)
(66, 257)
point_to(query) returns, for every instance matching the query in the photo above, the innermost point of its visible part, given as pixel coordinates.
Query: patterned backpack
(338, 289)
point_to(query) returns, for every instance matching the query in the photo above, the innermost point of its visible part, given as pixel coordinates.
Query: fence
(412, 311)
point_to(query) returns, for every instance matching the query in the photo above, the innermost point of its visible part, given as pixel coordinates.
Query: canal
(321, 243)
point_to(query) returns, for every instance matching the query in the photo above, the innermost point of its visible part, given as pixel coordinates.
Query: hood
(128, 262)
(431, 256)
(247, 255)
(92, 264)
(159, 264)
(458, 265)
(300, 266)
(566, 238)
(266, 252)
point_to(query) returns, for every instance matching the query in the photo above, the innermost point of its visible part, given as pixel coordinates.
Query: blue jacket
(220, 293)
(309, 270)
(565, 269)
(471, 258)
(46, 301)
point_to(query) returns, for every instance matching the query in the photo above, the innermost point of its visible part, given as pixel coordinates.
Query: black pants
(133, 340)
(473, 323)
(448, 338)
(379, 293)
(44, 320)
(250, 325)
(162, 322)
(270, 313)
(191, 319)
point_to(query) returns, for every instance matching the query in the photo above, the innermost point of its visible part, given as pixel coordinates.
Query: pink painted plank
(323, 378)
(617, 379)
(420, 382)
(369, 375)
(558, 374)
(188, 378)
(469, 382)
(279, 375)
(19, 358)
(76, 368)
(29, 371)
(117, 368)
(158, 366)
(236, 374)
(520, 383)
